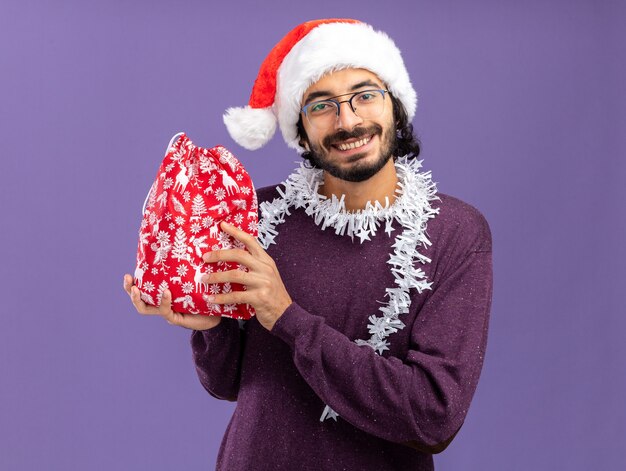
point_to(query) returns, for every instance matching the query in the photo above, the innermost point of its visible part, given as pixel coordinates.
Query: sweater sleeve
(217, 357)
(422, 400)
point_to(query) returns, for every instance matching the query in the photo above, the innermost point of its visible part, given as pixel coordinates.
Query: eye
(320, 107)
(366, 96)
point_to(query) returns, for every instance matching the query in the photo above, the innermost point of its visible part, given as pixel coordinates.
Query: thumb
(166, 302)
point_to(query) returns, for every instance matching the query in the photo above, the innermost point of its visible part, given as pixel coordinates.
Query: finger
(232, 255)
(230, 276)
(166, 303)
(201, 322)
(249, 241)
(173, 318)
(128, 283)
(193, 322)
(142, 308)
(235, 297)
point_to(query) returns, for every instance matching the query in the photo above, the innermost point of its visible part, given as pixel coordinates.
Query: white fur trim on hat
(336, 46)
(251, 128)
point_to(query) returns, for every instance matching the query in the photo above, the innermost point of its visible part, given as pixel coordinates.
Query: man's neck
(357, 194)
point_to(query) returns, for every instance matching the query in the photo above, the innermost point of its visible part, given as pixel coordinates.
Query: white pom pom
(251, 128)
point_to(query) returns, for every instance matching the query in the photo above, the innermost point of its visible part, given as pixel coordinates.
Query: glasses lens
(368, 104)
(321, 114)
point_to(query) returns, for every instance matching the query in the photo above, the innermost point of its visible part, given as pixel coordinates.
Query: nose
(347, 118)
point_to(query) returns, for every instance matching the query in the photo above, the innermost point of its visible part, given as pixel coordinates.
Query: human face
(330, 148)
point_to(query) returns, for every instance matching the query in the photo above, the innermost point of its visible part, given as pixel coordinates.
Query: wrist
(281, 311)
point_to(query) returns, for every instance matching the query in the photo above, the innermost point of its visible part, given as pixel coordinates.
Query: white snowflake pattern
(220, 194)
(168, 217)
(163, 238)
(180, 220)
(230, 307)
(195, 228)
(238, 218)
(253, 226)
(207, 222)
(171, 226)
(214, 288)
(168, 183)
(144, 266)
(144, 224)
(239, 177)
(212, 179)
(245, 190)
(186, 196)
(148, 286)
(187, 287)
(181, 270)
(169, 167)
(154, 271)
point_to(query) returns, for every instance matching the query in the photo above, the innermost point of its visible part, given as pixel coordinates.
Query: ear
(304, 144)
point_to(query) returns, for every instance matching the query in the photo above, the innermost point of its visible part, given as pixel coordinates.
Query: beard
(360, 171)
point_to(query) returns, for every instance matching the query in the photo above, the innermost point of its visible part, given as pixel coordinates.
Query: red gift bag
(195, 189)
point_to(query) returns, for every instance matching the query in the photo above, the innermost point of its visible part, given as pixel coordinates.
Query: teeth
(354, 145)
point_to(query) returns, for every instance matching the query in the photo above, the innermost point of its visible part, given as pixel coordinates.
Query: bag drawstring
(145, 202)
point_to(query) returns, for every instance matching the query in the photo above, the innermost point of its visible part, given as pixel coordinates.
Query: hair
(407, 144)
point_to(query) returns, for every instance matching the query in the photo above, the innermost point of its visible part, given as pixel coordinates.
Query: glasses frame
(338, 103)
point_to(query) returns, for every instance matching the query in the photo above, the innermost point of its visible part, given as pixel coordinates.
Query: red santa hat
(301, 58)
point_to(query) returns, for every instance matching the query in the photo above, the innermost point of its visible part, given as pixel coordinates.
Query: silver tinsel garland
(411, 209)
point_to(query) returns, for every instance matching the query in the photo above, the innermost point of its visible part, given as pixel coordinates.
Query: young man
(372, 291)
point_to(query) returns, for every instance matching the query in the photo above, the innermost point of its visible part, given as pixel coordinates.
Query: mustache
(356, 133)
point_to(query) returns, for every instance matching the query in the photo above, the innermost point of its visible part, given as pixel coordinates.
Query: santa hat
(301, 58)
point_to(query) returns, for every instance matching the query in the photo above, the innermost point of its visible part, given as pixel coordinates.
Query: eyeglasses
(367, 104)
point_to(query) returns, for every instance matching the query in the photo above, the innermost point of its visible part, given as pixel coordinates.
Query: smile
(353, 145)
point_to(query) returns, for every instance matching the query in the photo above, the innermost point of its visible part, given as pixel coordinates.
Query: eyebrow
(321, 93)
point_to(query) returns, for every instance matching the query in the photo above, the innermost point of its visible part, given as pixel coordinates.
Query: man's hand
(265, 290)
(189, 321)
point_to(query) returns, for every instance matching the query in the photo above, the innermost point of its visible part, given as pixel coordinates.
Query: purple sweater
(396, 409)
